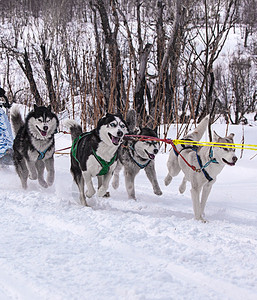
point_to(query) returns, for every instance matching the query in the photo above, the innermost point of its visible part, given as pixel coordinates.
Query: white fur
(199, 183)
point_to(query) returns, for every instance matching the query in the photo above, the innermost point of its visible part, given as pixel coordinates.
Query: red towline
(149, 138)
(167, 141)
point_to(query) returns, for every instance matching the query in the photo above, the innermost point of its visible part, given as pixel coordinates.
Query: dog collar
(105, 165)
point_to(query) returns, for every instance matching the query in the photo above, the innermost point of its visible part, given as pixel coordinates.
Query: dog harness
(202, 168)
(105, 165)
(141, 166)
(41, 155)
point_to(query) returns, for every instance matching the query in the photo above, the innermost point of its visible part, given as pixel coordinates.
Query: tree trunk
(49, 80)
(27, 69)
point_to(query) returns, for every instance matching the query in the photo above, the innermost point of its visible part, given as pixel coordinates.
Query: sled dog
(34, 144)
(94, 153)
(135, 155)
(209, 160)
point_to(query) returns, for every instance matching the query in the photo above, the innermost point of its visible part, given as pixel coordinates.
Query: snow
(152, 248)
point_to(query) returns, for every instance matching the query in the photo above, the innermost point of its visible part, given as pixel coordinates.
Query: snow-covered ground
(152, 248)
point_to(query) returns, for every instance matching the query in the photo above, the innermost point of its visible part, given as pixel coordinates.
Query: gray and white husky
(34, 144)
(209, 160)
(135, 155)
(94, 153)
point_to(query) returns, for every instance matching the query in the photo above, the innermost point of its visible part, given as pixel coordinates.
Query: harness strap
(105, 165)
(41, 155)
(202, 168)
(141, 166)
(75, 143)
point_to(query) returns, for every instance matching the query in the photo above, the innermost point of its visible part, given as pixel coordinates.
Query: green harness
(105, 165)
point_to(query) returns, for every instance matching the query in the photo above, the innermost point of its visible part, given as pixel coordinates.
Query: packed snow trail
(152, 248)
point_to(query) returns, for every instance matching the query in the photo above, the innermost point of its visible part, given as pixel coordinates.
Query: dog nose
(45, 128)
(155, 151)
(234, 159)
(119, 133)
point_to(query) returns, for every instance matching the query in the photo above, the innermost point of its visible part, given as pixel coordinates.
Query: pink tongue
(115, 140)
(43, 133)
(151, 156)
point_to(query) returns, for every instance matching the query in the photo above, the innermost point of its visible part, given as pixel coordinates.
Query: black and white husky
(94, 153)
(135, 155)
(34, 144)
(209, 160)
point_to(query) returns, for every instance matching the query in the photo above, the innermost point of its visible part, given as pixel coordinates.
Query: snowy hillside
(152, 248)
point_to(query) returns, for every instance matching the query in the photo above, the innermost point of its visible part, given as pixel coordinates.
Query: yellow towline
(215, 144)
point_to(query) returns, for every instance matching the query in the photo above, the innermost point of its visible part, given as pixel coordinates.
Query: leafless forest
(162, 57)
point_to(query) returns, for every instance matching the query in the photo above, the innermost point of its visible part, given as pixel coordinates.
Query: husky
(209, 160)
(34, 144)
(94, 153)
(135, 155)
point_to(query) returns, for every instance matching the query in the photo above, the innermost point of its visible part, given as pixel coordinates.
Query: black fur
(25, 144)
(88, 143)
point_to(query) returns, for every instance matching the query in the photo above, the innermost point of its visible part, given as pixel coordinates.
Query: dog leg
(40, 165)
(22, 171)
(116, 175)
(32, 169)
(173, 168)
(81, 185)
(49, 163)
(102, 191)
(183, 185)
(90, 188)
(167, 179)
(195, 194)
(79, 179)
(129, 182)
(100, 180)
(151, 175)
(205, 194)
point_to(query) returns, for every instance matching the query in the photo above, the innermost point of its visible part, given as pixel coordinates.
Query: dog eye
(41, 121)
(113, 125)
(122, 125)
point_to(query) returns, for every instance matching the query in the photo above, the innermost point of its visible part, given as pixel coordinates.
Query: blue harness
(202, 168)
(136, 162)
(41, 155)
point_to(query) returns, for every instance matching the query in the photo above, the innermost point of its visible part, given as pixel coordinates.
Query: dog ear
(107, 115)
(35, 107)
(216, 137)
(231, 136)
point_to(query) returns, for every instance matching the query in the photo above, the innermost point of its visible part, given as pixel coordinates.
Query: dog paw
(83, 201)
(89, 194)
(167, 180)
(115, 184)
(43, 183)
(33, 176)
(101, 192)
(50, 181)
(24, 185)
(158, 192)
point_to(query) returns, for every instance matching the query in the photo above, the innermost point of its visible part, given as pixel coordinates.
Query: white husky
(209, 160)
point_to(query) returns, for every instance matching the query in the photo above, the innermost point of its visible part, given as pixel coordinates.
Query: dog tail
(16, 119)
(131, 120)
(199, 131)
(74, 127)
